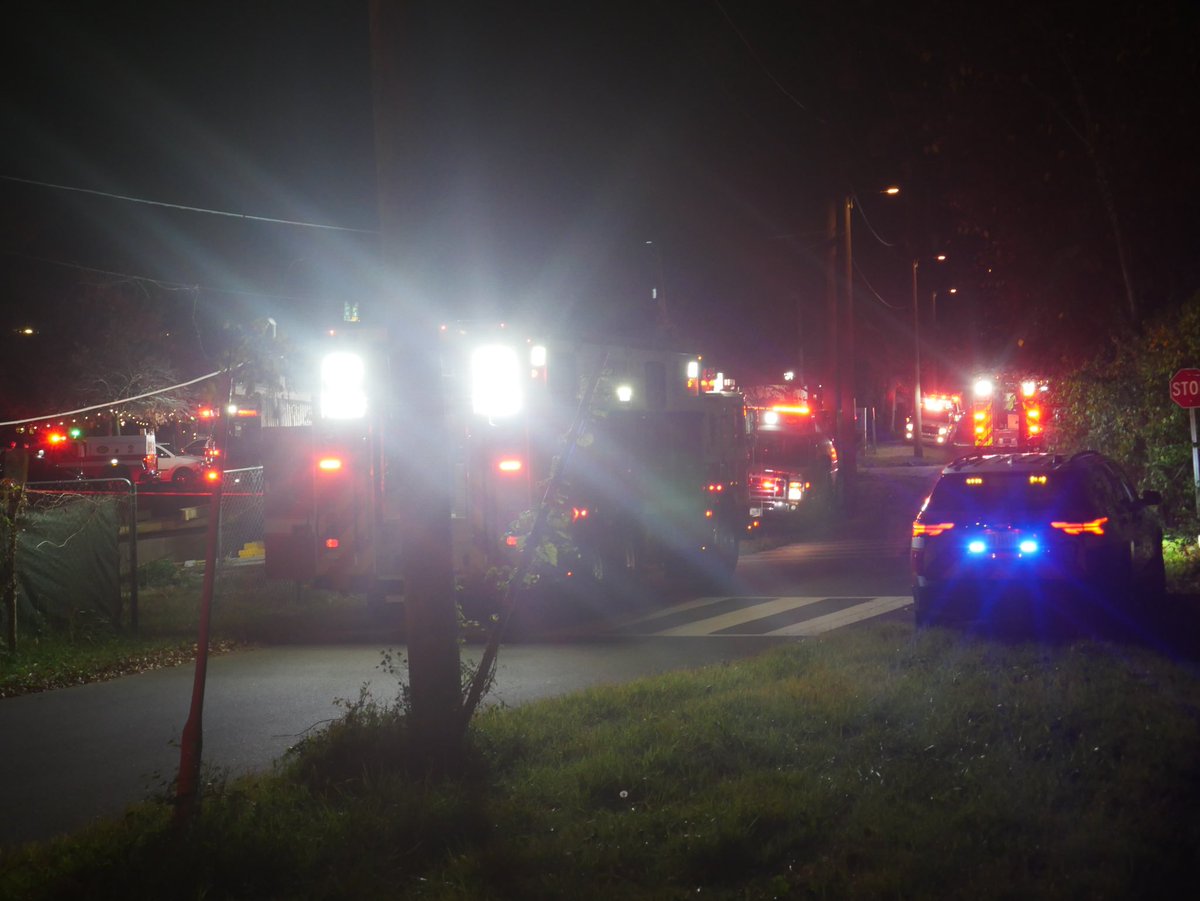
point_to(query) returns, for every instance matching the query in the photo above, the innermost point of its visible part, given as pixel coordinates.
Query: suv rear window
(1008, 493)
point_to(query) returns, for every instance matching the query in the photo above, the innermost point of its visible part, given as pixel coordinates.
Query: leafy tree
(1119, 403)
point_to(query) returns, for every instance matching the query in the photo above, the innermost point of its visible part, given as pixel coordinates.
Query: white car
(179, 469)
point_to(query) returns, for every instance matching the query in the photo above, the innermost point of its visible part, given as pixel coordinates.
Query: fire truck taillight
(578, 513)
(510, 465)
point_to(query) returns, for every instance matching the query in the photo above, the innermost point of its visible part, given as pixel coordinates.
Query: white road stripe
(876, 606)
(737, 617)
(854, 614)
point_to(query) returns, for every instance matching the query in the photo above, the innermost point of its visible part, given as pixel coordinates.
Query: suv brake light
(1094, 527)
(931, 529)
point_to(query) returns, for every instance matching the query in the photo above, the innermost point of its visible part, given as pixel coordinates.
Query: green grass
(871, 763)
(248, 610)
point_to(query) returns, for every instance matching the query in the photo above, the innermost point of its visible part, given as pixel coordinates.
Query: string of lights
(112, 403)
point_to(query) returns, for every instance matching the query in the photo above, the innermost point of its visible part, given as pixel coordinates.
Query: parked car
(1002, 529)
(179, 469)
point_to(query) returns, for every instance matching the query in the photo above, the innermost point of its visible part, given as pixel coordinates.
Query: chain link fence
(242, 518)
(67, 558)
(63, 560)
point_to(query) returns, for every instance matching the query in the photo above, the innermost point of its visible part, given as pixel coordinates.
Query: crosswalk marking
(740, 617)
(854, 614)
(762, 616)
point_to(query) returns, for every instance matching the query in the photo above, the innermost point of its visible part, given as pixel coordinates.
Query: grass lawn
(868, 763)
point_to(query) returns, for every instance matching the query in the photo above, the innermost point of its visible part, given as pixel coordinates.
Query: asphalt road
(76, 754)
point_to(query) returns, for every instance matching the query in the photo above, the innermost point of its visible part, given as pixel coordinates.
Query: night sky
(546, 144)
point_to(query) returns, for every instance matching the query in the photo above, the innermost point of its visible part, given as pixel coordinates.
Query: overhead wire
(113, 403)
(190, 209)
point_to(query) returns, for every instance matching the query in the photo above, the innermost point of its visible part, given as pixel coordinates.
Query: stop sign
(1185, 388)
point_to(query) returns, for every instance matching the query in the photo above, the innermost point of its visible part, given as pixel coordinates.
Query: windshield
(781, 450)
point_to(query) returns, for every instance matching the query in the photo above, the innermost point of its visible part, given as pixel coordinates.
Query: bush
(1119, 403)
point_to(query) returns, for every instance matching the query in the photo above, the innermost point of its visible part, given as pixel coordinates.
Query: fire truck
(654, 475)
(1011, 411)
(793, 463)
(941, 416)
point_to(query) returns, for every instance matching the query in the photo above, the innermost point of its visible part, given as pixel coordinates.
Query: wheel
(183, 478)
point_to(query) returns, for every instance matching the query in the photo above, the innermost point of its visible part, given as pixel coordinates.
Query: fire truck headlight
(770, 417)
(984, 388)
(343, 386)
(496, 382)
(624, 393)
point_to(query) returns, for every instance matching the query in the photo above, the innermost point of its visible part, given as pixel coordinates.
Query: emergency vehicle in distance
(132, 457)
(1011, 411)
(941, 420)
(793, 463)
(656, 480)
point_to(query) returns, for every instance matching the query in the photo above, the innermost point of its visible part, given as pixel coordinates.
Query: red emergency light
(330, 464)
(212, 475)
(509, 465)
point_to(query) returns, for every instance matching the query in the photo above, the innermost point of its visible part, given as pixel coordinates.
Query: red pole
(187, 783)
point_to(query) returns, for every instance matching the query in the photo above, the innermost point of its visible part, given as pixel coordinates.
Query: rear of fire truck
(659, 473)
(653, 466)
(1011, 412)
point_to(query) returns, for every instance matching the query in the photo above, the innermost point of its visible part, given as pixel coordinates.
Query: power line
(190, 209)
(113, 403)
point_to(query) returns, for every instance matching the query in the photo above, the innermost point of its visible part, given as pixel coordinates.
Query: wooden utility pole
(847, 433)
(431, 622)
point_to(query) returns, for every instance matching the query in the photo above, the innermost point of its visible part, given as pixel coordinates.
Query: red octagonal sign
(1185, 388)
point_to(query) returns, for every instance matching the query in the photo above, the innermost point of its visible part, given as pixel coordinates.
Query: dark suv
(1000, 528)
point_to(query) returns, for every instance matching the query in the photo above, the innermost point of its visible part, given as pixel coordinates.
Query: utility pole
(831, 394)
(918, 440)
(431, 623)
(847, 434)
